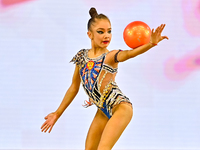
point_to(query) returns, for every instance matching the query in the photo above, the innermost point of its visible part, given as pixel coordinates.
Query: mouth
(105, 42)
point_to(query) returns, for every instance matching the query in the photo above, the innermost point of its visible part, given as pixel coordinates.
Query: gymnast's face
(100, 33)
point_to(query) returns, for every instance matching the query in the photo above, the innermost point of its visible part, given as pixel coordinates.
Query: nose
(107, 35)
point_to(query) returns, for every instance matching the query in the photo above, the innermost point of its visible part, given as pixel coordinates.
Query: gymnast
(96, 69)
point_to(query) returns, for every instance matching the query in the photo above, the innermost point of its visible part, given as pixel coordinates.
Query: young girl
(96, 69)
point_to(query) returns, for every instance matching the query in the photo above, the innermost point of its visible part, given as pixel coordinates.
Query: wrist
(58, 114)
(153, 44)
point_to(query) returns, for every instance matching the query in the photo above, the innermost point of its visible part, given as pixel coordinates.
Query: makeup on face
(102, 31)
(105, 42)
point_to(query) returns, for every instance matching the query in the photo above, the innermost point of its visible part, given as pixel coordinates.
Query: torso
(96, 71)
(98, 80)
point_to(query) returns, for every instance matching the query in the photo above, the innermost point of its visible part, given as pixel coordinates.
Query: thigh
(114, 128)
(95, 131)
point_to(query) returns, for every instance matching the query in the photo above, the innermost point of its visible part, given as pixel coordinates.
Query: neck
(95, 50)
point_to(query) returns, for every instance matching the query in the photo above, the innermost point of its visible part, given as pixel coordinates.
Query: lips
(105, 42)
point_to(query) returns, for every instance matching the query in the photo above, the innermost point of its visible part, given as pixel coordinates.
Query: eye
(100, 32)
(109, 32)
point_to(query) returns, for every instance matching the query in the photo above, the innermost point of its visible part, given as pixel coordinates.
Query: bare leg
(95, 131)
(122, 115)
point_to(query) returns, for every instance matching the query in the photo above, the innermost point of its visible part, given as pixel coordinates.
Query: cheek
(98, 37)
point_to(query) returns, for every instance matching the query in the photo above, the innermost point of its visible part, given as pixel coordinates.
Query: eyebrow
(103, 29)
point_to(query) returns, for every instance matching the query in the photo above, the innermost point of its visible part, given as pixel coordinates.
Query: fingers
(156, 34)
(162, 27)
(50, 129)
(156, 31)
(49, 123)
(45, 127)
(165, 37)
(159, 29)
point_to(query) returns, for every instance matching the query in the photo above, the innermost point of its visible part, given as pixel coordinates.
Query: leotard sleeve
(79, 58)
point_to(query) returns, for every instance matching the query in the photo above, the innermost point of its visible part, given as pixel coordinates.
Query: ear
(90, 35)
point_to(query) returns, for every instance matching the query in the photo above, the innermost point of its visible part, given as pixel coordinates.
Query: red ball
(137, 33)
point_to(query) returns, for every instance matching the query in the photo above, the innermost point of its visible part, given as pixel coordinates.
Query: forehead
(102, 23)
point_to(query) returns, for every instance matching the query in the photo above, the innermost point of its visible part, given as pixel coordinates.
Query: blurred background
(38, 38)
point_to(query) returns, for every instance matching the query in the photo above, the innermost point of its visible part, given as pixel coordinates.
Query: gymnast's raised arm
(155, 39)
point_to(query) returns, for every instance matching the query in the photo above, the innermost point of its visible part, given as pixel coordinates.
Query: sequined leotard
(93, 72)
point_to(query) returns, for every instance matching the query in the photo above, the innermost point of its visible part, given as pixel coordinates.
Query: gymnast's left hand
(156, 35)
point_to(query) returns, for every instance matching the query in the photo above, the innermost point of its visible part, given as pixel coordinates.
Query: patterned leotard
(90, 70)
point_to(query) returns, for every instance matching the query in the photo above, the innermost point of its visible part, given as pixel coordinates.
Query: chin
(105, 46)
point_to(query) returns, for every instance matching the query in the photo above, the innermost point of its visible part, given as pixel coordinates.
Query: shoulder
(81, 52)
(79, 58)
(110, 57)
(112, 53)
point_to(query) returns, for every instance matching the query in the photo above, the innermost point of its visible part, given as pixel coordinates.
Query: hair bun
(93, 12)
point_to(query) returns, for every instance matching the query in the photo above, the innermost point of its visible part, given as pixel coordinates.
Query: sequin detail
(90, 70)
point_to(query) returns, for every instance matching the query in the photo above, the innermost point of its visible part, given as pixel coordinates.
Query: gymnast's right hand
(49, 123)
